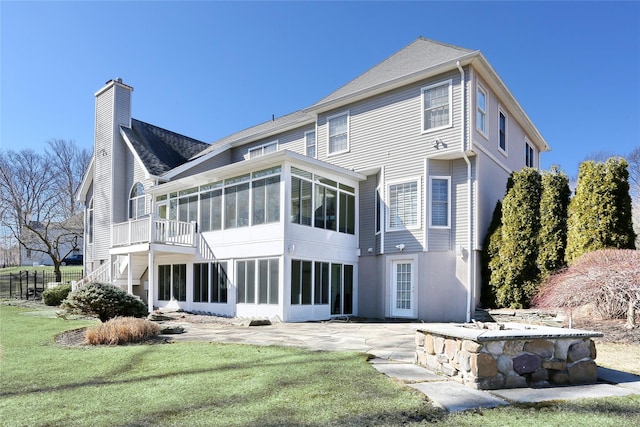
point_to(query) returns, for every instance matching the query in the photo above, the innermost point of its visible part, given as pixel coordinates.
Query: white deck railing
(153, 230)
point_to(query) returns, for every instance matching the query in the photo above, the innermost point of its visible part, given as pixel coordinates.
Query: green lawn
(200, 384)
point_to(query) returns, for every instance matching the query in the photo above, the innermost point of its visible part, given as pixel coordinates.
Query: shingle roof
(262, 129)
(419, 55)
(161, 150)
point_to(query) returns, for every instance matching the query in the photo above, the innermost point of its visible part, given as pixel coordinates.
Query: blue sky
(208, 69)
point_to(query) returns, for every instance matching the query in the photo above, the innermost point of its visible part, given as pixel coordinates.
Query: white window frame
(261, 149)
(506, 130)
(449, 83)
(483, 111)
(335, 116)
(315, 142)
(529, 153)
(143, 196)
(387, 213)
(448, 179)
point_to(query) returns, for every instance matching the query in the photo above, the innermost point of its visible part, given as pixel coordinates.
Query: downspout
(469, 195)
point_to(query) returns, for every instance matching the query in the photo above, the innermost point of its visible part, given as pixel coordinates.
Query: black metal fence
(31, 284)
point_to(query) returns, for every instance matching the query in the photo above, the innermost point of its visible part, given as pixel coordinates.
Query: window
(403, 205)
(236, 202)
(137, 201)
(266, 196)
(528, 155)
(436, 104)
(90, 222)
(341, 289)
(172, 282)
(481, 119)
(188, 205)
(301, 284)
(310, 143)
(334, 204)
(439, 202)
(271, 147)
(301, 190)
(210, 279)
(321, 276)
(502, 131)
(338, 133)
(211, 207)
(264, 284)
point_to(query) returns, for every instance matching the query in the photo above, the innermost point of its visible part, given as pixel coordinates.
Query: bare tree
(634, 188)
(37, 192)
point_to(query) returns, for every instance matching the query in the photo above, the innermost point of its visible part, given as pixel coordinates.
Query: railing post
(194, 228)
(152, 229)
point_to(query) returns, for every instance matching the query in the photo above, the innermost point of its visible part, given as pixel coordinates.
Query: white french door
(403, 288)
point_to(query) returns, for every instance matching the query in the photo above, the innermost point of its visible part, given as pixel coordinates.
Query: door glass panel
(403, 286)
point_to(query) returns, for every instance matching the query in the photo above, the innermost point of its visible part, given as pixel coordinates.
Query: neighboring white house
(65, 237)
(372, 202)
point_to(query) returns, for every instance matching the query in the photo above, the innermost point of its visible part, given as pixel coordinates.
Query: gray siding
(220, 160)
(292, 140)
(367, 218)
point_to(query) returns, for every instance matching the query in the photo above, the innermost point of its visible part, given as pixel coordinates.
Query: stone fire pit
(492, 356)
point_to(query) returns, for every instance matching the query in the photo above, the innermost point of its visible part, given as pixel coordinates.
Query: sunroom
(275, 235)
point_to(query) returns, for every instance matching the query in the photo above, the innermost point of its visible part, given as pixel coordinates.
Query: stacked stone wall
(491, 365)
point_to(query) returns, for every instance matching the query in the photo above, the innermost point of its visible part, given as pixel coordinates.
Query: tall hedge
(490, 251)
(554, 203)
(516, 275)
(600, 213)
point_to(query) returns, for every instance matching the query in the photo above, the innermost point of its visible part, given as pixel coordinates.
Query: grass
(616, 355)
(200, 384)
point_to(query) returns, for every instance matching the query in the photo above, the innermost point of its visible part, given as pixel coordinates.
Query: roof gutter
(470, 257)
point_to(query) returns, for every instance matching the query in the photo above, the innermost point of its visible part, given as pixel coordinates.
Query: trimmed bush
(105, 302)
(122, 330)
(54, 296)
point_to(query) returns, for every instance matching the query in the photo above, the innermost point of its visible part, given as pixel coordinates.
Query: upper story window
(528, 155)
(270, 147)
(404, 205)
(330, 204)
(310, 143)
(90, 222)
(338, 133)
(439, 202)
(481, 118)
(502, 131)
(137, 201)
(436, 105)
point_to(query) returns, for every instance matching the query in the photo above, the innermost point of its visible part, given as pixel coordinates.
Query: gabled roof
(158, 149)
(420, 55)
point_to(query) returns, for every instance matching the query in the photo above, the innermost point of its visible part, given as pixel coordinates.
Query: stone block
(540, 375)
(431, 362)
(442, 358)
(420, 339)
(562, 346)
(428, 344)
(543, 348)
(451, 347)
(505, 364)
(438, 345)
(494, 347)
(421, 357)
(515, 381)
(471, 346)
(483, 365)
(555, 365)
(493, 383)
(449, 370)
(559, 377)
(526, 363)
(592, 349)
(583, 372)
(579, 351)
(464, 360)
(513, 348)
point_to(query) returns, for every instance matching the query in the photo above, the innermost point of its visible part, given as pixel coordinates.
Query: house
(65, 238)
(372, 202)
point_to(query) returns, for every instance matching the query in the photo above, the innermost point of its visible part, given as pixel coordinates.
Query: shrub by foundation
(105, 302)
(122, 330)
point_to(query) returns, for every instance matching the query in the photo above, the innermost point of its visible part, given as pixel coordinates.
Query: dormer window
(137, 201)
